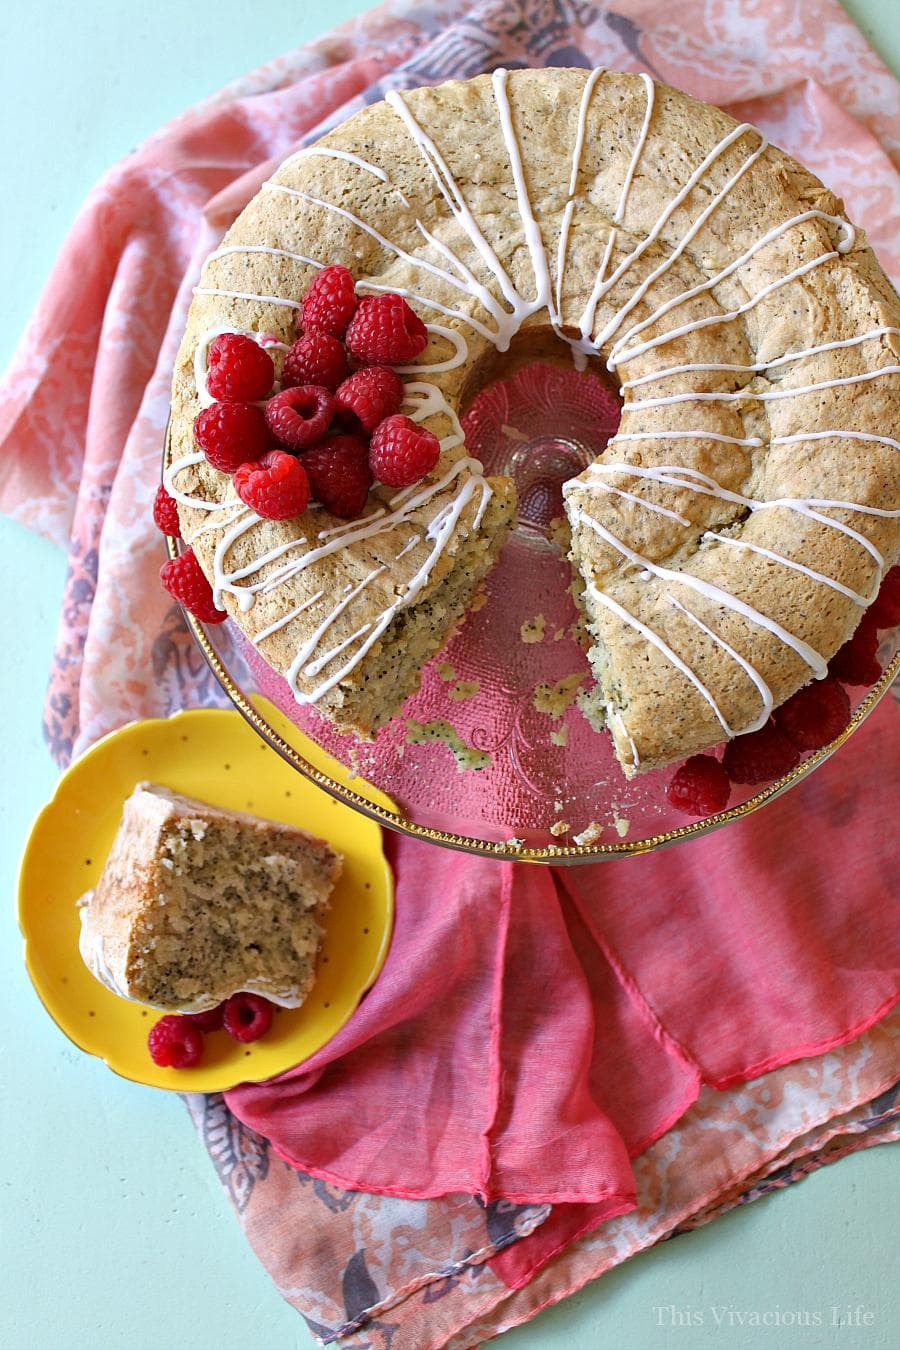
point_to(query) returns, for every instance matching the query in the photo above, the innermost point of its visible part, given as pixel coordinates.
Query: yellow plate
(214, 755)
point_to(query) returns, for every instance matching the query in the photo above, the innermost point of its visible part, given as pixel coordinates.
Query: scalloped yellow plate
(214, 755)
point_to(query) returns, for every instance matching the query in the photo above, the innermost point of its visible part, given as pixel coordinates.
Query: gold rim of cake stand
(554, 853)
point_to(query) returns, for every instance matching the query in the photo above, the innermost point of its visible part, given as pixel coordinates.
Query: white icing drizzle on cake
(505, 313)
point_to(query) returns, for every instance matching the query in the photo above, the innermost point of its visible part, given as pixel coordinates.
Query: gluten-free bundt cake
(732, 534)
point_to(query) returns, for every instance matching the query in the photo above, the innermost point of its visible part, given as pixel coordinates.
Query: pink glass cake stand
(493, 755)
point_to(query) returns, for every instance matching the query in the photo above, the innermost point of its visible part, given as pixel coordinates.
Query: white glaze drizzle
(651, 636)
(836, 433)
(569, 211)
(813, 659)
(533, 237)
(768, 702)
(287, 618)
(326, 152)
(601, 286)
(757, 367)
(622, 353)
(795, 566)
(228, 249)
(619, 356)
(678, 475)
(277, 300)
(765, 396)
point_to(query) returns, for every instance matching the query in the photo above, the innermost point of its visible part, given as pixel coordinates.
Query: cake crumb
(479, 600)
(553, 699)
(466, 756)
(515, 842)
(446, 672)
(589, 835)
(559, 635)
(559, 827)
(464, 689)
(622, 826)
(560, 736)
(532, 630)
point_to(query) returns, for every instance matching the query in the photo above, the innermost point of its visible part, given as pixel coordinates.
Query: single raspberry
(184, 578)
(315, 358)
(330, 302)
(339, 475)
(231, 433)
(759, 756)
(855, 662)
(401, 452)
(368, 396)
(386, 331)
(300, 416)
(247, 1016)
(211, 1020)
(165, 513)
(885, 611)
(174, 1043)
(700, 786)
(239, 371)
(276, 486)
(814, 715)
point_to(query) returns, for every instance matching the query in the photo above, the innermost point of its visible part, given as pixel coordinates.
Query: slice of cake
(196, 903)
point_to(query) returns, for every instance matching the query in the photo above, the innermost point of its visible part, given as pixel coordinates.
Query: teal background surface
(113, 1230)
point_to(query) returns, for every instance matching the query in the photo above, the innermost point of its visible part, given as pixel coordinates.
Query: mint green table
(113, 1230)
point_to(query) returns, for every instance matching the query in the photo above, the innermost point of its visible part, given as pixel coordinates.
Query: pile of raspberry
(809, 720)
(330, 433)
(176, 1041)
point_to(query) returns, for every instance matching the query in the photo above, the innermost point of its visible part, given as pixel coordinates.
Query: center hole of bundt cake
(533, 417)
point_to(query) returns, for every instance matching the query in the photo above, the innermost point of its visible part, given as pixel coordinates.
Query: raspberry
(239, 371)
(401, 452)
(211, 1020)
(231, 433)
(885, 611)
(330, 302)
(174, 1043)
(184, 578)
(247, 1016)
(339, 475)
(300, 416)
(855, 663)
(700, 786)
(369, 396)
(814, 715)
(165, 513)
(385, 331)
(759, 756)
(315, 358)
(276, 486)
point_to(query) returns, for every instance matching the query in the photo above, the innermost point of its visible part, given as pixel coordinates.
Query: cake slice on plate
(196, 903)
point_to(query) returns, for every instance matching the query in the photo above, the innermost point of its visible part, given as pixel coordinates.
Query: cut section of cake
(196, 903)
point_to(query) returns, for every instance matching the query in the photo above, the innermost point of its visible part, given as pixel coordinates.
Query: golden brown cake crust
(694, 636)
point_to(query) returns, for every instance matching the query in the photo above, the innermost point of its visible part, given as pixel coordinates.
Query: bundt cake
(734, 530)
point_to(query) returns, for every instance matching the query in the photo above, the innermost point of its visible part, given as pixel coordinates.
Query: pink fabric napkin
(488, 1058)
(369, 1271)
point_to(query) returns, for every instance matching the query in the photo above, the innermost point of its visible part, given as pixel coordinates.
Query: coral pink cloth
(489, 1056)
